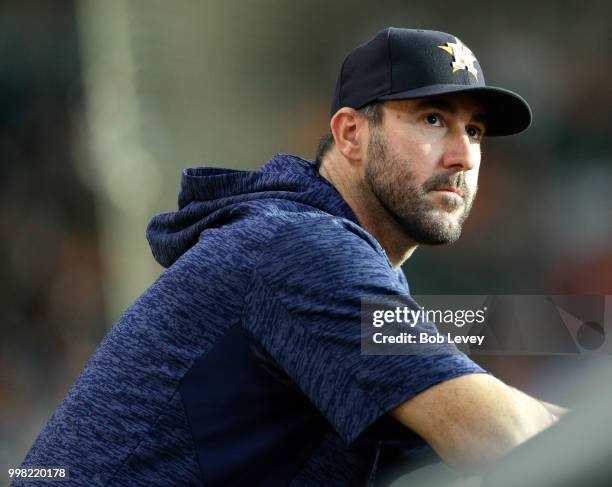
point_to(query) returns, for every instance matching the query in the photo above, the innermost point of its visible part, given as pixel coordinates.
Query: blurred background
(104, 102)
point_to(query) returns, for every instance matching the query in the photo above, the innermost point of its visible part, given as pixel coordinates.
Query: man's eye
(474, 133)
(433, 119)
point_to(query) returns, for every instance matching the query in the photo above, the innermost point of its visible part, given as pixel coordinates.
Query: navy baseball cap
(402, 64)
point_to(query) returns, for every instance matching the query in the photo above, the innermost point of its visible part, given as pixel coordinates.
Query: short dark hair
(373, 112)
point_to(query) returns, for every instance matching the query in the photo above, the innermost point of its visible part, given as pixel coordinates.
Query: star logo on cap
(462, 57)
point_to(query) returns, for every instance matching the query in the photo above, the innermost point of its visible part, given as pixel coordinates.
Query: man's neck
(371, 214)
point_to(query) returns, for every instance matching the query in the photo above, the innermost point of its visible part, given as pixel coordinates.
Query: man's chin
(438, 227)
(444, 218)
(437, 237)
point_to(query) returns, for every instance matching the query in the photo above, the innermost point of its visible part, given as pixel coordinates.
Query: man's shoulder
(291, 234)
(320, 248)
(311, 224)
(261, 226)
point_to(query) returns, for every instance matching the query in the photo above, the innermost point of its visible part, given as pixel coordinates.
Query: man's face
(423, 164)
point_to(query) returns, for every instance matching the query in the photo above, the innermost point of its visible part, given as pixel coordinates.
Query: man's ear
(349, 129)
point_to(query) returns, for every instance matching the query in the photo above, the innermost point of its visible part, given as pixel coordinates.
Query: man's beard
(392, 182)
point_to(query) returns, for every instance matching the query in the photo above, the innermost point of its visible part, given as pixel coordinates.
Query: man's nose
(460, 153)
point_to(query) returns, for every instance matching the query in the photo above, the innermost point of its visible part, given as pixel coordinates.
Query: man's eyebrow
(433, 104)
(446, 106)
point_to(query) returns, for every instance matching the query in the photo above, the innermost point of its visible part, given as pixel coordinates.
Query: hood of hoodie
(210, 197)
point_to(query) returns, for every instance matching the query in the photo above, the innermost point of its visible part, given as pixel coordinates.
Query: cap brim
(506, 112)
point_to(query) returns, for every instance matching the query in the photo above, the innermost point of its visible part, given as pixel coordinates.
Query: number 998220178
(38, 473)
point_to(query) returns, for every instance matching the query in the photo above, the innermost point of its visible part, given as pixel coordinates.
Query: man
(241, 364)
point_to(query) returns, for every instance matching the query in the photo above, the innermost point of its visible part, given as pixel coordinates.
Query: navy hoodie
(241, 364)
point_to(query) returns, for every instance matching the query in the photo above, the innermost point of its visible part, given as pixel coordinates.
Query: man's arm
(473, 419)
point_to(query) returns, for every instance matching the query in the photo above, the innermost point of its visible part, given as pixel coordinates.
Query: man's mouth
(450, 189)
